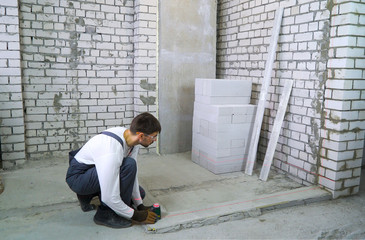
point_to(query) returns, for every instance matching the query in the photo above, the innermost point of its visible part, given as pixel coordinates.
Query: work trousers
(83, 179)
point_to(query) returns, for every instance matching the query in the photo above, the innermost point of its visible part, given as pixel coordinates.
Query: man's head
(147, 127)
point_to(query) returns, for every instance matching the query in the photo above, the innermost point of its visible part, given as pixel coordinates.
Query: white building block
(222, 100)
(222, 124)
(223, 87)
(219, 165)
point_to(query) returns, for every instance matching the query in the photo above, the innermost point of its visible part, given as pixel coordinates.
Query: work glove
(144, 216)
(142, 207)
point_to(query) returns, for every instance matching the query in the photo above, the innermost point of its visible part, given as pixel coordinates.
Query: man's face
(147, 140)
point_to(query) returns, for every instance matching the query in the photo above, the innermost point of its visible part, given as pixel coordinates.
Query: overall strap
(110, 134)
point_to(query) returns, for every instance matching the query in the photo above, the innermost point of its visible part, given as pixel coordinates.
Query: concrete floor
(192, 196)
(37, 202)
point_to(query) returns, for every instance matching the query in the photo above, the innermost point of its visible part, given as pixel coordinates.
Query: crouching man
(106, 167)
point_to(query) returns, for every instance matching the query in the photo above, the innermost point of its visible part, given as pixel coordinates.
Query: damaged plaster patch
(317, 123)
(70, 24)
(114, 89)
(329, 5)
(90, 29)
(56, 102)
(74, 61)
(147, 86)
(148, 100)
(80, 21)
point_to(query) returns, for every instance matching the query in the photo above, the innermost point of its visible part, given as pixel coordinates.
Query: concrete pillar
(342, 134)
(186, 51)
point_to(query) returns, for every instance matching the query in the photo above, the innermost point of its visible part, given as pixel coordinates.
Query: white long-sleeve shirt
(107, 154)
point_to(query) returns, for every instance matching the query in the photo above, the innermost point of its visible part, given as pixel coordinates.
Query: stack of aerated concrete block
(222, 124)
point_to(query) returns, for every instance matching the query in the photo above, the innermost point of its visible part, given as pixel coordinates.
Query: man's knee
(130, 165)
(82, 178)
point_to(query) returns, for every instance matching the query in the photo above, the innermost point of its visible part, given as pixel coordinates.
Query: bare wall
(187, 50)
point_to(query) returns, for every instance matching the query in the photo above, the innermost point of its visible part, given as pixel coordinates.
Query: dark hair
(145, 123)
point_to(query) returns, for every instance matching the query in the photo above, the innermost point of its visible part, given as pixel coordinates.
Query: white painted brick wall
(82, 61)
(345, 97)
(11, 102)
(78, 70)
(321, 46)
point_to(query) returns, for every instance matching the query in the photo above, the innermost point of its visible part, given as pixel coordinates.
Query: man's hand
(142, 207)
(144, 216)
(151, 218)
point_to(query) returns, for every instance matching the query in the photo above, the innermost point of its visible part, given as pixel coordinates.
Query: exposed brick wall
(305, 48)
(77, 60)
(145, 34)
(86, 66)
(343, 128)
(11, 104)
(70, 69)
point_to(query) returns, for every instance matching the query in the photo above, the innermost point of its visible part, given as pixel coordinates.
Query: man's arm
(136, 195)
(108, 169)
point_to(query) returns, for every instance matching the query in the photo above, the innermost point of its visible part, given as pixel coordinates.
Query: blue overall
(83, 178)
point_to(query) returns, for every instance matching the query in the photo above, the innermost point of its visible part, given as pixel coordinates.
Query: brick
(358, 105)
(337, 126)
(338, 94)
(295, 162)
(342, 41)
(92, 7)
(105, 115)
(301, 55)
(97, 109)
(298, 110)
(356, 125)
(304, 18)
(344, 52)
(333, 165)
(8, 3)
(337, 105)
(13, 156)
(356, 172)
(359, 63)
(350, 7)
(342, 136)
(339, 84)
(339, 156)
(300, 37)
(334, 185)
(354, 163)
(356, 144)
(350, 30)
(341, 63)
(344, 19)
(352, 182)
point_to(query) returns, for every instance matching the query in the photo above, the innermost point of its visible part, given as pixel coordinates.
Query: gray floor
(190, 195)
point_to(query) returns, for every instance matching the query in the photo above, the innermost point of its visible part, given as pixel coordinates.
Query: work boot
(85, 202)
(107, 217)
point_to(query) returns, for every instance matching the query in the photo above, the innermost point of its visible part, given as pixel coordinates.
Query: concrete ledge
(236, 210)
